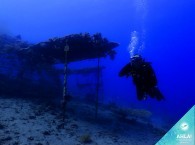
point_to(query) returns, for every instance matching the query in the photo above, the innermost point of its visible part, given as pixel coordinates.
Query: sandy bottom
(23, 122)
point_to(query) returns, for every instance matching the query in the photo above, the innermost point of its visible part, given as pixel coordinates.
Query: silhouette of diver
(143, 77)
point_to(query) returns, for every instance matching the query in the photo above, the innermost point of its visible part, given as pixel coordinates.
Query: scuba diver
(144, 78)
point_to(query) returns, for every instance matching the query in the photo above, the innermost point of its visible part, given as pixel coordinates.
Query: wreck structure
(23, 63)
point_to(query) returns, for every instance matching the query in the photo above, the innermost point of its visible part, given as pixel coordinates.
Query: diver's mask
(137, 61)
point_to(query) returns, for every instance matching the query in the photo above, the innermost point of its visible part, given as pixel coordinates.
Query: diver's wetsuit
(143, 77)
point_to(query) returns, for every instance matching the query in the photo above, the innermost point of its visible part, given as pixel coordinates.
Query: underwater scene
(97, 72)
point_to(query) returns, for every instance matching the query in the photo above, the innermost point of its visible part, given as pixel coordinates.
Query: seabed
(31, 122)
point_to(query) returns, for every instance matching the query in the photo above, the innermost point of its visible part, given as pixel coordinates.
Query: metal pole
(64, 100)
(97, 88)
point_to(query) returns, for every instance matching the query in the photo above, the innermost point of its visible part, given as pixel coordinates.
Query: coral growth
(86, 138)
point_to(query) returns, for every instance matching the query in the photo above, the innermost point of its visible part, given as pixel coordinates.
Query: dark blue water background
(165, 29)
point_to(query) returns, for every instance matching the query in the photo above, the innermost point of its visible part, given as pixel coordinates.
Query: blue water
(165, 33)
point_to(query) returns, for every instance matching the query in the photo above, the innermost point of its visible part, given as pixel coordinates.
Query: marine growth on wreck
(32, 65)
